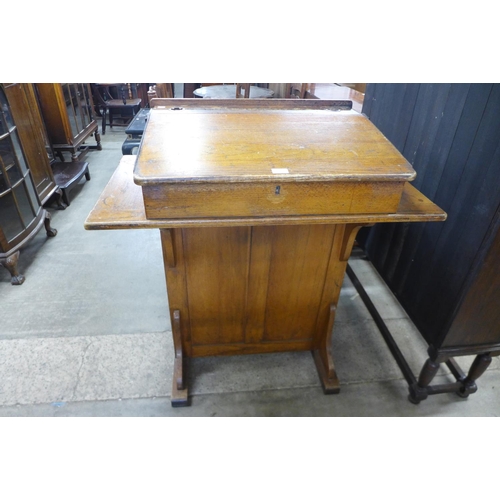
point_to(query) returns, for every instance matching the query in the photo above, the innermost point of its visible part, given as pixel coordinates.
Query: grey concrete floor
(88, 334)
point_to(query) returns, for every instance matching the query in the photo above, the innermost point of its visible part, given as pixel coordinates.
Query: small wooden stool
(67, 175)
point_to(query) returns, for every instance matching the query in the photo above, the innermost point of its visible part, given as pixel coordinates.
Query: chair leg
(110, 118)
(103, 121)
(65, 197)
(87, 173)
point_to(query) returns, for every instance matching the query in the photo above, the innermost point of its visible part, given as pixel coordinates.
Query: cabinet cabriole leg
(10, 263)
(51, 232)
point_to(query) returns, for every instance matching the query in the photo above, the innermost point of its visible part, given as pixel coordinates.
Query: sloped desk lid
(233, 142)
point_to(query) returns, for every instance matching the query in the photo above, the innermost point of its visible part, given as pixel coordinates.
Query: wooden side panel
(54, 112)
(258, 282)
(175, 274)
(216, 262)
(478, 317)
(299, 261)
(253, 289)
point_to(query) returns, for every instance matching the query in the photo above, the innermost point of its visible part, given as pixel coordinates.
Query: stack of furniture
(68, 114)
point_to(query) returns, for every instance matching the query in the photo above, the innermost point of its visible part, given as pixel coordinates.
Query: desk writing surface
(250, 145)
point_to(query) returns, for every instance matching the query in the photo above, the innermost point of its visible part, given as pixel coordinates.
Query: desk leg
(172, 276)
(345, 236)
(179, 387)
(324, 360)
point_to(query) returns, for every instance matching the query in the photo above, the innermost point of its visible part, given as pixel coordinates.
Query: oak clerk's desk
(258, 203)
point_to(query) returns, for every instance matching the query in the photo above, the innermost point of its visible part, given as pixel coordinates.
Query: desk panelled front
(258, 206)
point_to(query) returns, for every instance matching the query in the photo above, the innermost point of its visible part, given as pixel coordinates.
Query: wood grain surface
(266, 161)
(121, 206)
(249, 145)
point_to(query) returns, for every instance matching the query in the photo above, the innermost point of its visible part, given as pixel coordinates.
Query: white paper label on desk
(280, 171)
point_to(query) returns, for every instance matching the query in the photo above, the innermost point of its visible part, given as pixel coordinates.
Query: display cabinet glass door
(19, 204)
(21, 213)
(67, 110)
(78, 106)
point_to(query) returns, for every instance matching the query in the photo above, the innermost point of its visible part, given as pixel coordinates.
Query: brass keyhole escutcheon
(277, 190)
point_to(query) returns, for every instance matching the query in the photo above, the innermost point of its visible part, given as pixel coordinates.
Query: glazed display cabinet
(68, 113)
(25, 111)
(21, 212)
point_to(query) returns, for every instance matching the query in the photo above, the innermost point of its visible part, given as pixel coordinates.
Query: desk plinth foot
(328, 377)
(179, 389)
(179, 404)
(179, 398)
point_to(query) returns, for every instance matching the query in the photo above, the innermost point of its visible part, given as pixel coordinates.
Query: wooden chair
(242, 90)
(297, 90)
(160, 90)
(124, 104)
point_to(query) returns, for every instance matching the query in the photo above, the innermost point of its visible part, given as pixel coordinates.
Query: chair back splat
(115, 100)
(242, 90)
